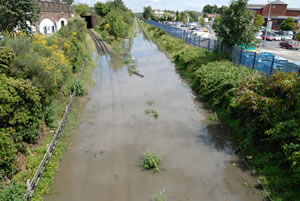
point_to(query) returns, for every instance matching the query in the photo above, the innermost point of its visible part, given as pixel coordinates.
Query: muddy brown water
(104, 161)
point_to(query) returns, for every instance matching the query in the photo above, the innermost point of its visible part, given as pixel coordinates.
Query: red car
(269, 37)
(290, 45)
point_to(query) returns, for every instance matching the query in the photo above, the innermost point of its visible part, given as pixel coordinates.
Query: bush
(75, 25)
(6, 56)
(8, 154)
(20, 109)
(49, 115)
(80, 90)
(14, 192)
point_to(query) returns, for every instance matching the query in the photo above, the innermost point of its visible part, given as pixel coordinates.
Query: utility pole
(266, 30)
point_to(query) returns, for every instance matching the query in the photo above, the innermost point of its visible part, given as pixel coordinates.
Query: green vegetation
(16, 13)
(288, 24)
(263, 112)
(148, 13)
(151, 111)
(35, 82)
(235, 26)
(151, 161)
(259, 21)
(116, 21)
(81, 9)
(209, 9)
(298, 36)
(161, 197)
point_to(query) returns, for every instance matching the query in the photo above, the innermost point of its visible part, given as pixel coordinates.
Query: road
(273, 47)
(105, 160)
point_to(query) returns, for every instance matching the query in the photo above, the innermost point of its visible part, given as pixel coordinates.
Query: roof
(278, 2)
(256, 6)
(294, 9)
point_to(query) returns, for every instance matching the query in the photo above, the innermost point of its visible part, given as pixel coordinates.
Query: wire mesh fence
(264, 62)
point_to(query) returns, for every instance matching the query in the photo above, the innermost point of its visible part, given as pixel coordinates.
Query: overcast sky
(138, 5)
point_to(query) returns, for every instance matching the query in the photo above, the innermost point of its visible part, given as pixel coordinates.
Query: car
(286, 37)
(289, 45)
(257, 36)
(277, 37)
(269, 37)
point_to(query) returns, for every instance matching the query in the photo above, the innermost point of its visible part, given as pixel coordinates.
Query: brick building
(53, 16)
(279, 11)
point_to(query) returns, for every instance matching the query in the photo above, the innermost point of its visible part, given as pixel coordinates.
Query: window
(62, 23)
(274, 6)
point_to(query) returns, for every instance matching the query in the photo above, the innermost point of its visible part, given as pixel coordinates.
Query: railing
(33, 184)
(264, 62)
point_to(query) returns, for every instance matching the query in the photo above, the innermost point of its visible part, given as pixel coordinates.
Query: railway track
(100, 45)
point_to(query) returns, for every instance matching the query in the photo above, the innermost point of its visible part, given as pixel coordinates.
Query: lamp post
(266, 30)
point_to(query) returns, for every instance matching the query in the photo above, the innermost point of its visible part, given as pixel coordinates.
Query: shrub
(20, 109)
(193, 58)
(217, 82)
(6, 56)
(49, 114)
(8, 153)
(80, 90)
(14, 192)
(151, 161)
(75, 25)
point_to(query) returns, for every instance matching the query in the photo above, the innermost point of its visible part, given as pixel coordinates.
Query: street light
(265, 38)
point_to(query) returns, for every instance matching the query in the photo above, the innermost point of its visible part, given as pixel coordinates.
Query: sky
(180, 5)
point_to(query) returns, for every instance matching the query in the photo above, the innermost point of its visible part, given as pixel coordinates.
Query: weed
(148, 111)
(151, 161)
(150, 102)
(152, 112)
(161, 197)
(214, 117)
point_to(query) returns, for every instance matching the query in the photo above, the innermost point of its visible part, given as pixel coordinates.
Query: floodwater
(105, 160)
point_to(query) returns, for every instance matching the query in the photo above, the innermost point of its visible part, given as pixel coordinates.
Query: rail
(100, 45)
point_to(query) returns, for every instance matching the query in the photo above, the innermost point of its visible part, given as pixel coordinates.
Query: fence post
(208, 45)
(241, 54)
(199, 41)
(254, 60)
(195, 40)
(272, 65)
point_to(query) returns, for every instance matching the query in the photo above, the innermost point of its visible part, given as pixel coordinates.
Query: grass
(34, 154)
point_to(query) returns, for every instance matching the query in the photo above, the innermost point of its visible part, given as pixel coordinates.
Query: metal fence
(264, 62)
(33, 184)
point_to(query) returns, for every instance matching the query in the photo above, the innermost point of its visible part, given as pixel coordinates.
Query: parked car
(277, 37)
(286, 37)
(257, 36)
(290, 45)
(269, 37)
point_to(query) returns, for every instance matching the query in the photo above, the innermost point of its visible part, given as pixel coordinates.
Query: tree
(202, 21)
(81, 9)
(222, 9)
(235, 26)
(177, 16)
(207, 9)
(101, 9)
(17, 14)
(298, 36)
(148, 12)
(288, 24)
(259, 21)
